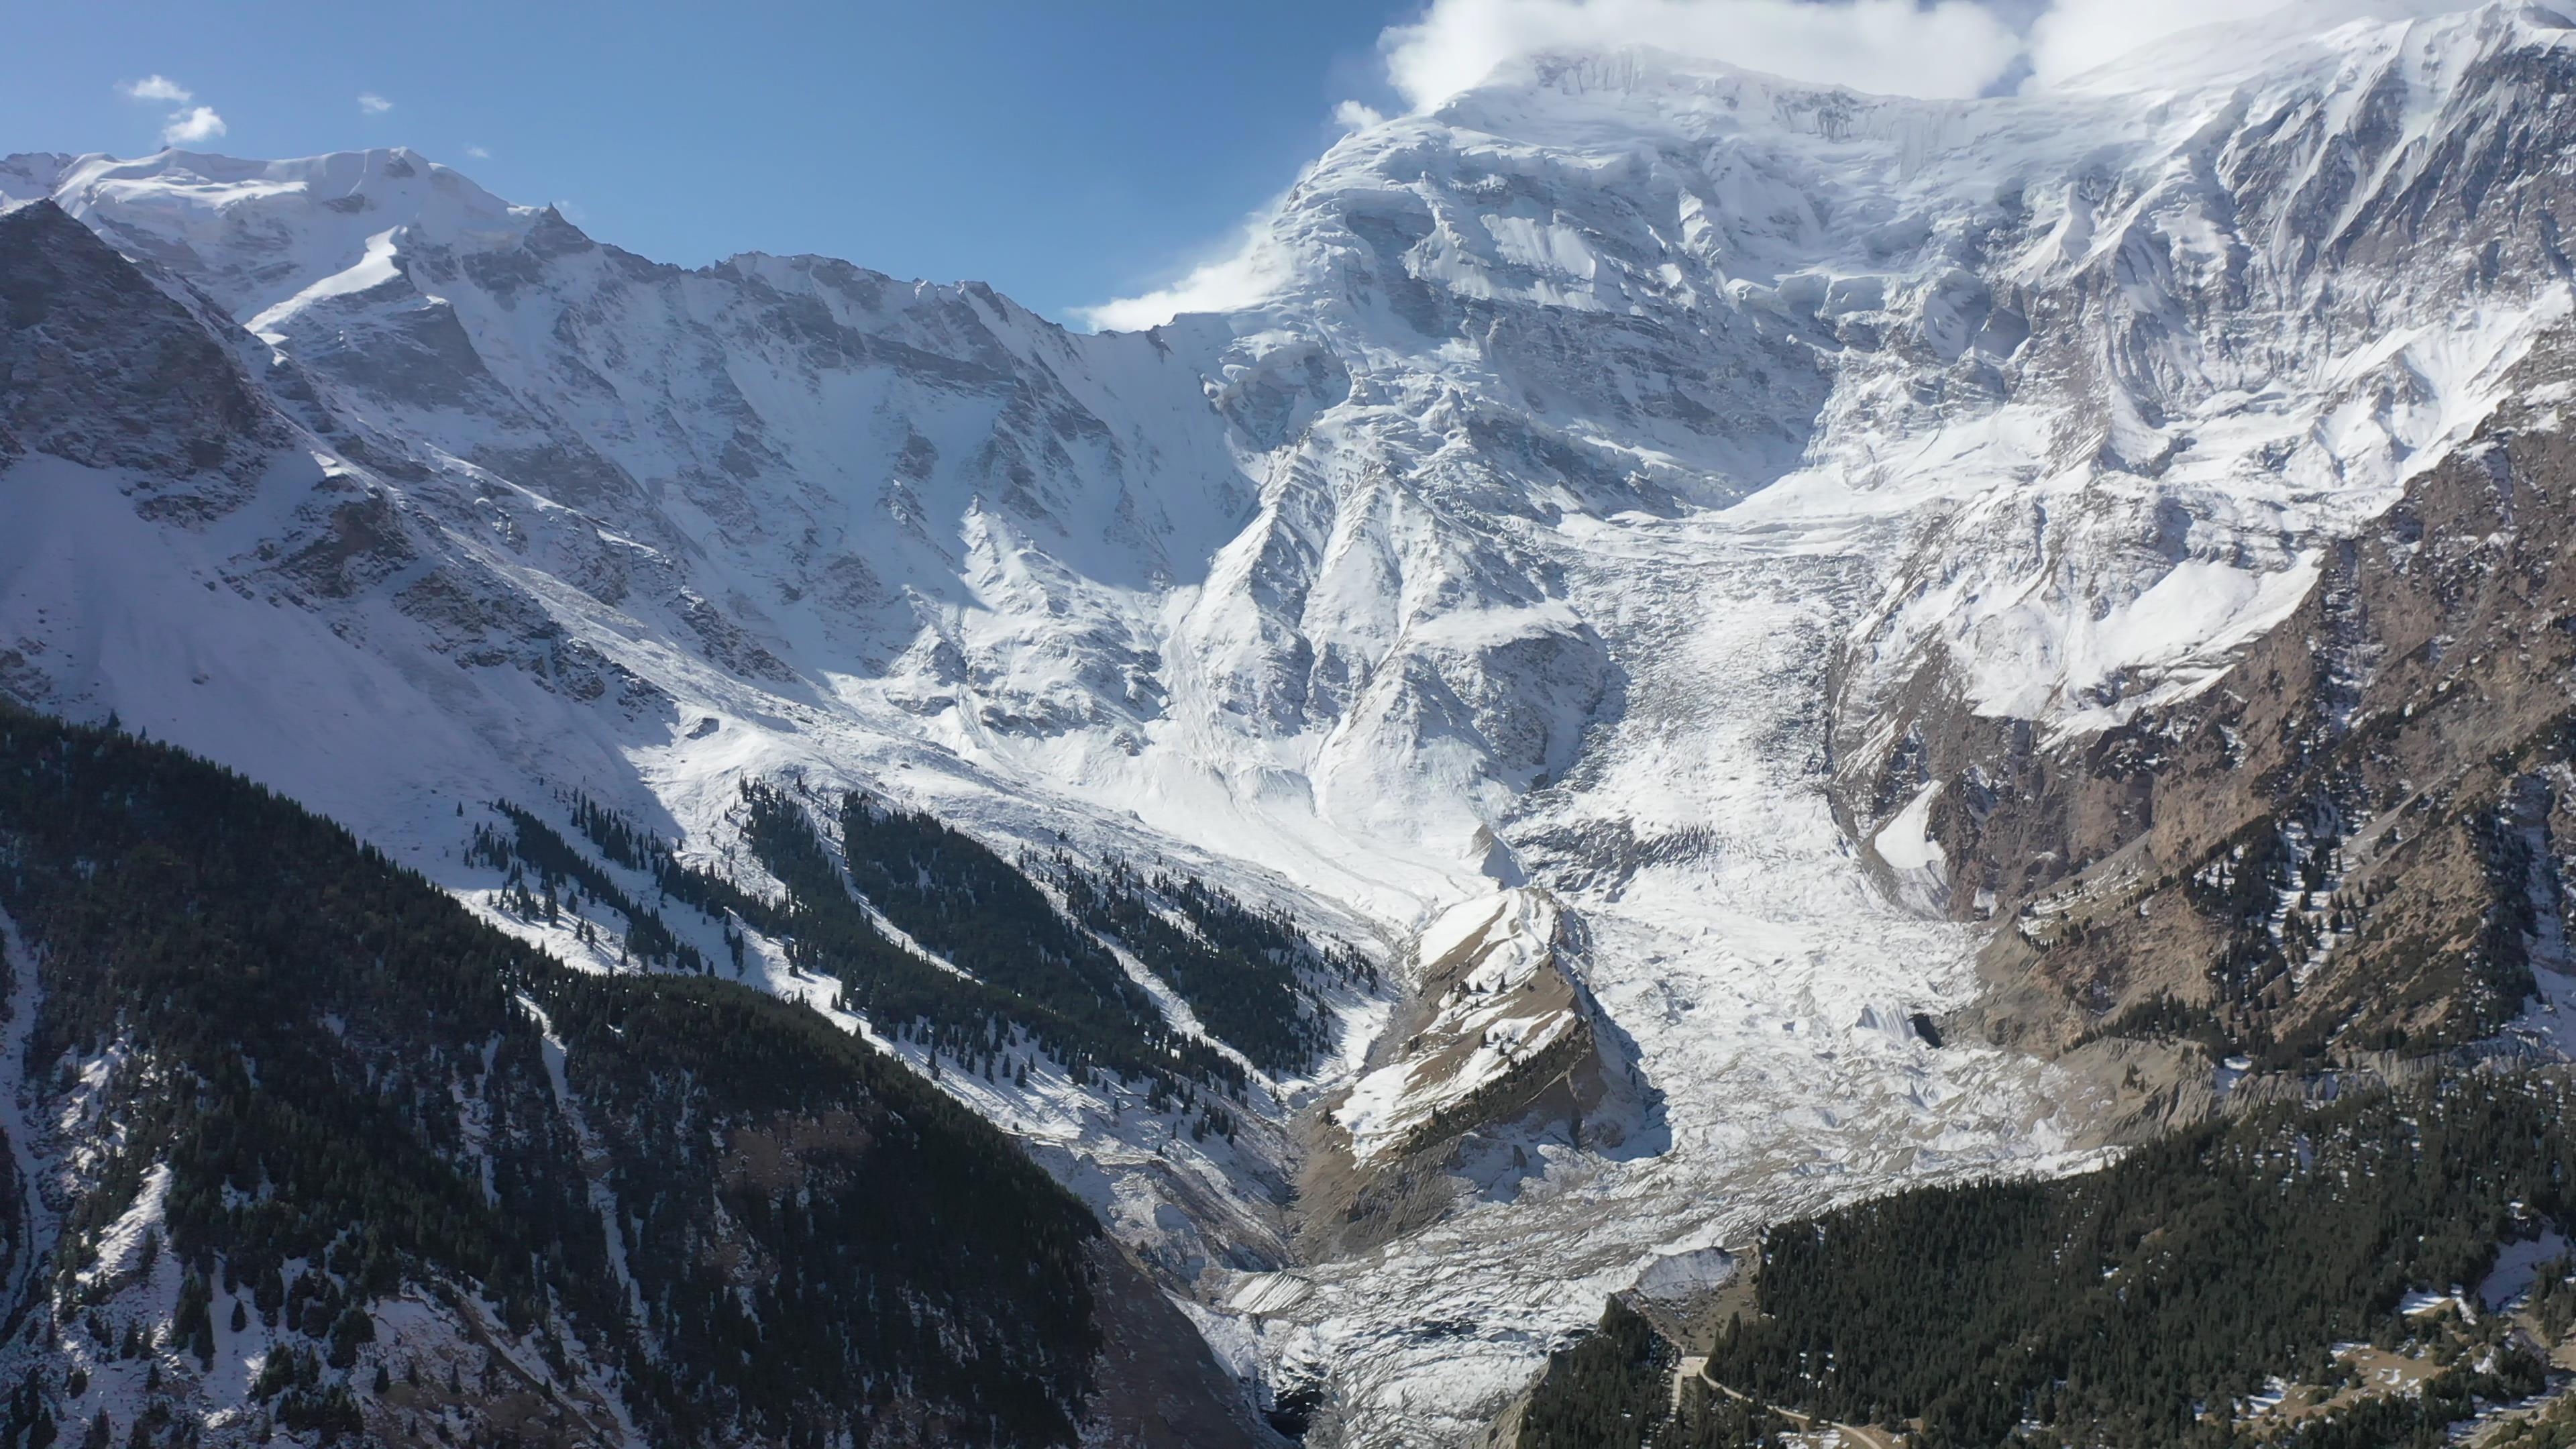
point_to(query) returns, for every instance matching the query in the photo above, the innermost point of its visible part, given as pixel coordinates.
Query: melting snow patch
(120, 1248)
(2517, 1266)
(1678, 1276)
(1906, 844)
(2420, 1304)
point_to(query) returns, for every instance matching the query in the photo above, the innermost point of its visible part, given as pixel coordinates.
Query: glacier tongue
(1756, 978)
(1615, 462)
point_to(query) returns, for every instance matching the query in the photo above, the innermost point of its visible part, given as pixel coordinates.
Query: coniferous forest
(2148, 1302)
(1034, 979)
(1029, 985)
(1244, 972)
(351, 1092)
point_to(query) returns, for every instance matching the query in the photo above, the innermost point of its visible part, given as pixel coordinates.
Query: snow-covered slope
(1628, 462)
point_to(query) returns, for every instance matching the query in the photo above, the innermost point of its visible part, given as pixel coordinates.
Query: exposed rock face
(2349, 844)
(100, 368)
(1498, 1050)
(2216, 823)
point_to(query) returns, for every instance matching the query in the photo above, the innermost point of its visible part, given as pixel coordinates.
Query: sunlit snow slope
(1621, 449)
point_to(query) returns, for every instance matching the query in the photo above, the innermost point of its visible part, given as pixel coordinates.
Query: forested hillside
(1015, 980)
(2179, 1297)
(1244, 972)
(304, 1147)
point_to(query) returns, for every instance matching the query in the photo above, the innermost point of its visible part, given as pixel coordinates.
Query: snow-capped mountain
(1648, 515)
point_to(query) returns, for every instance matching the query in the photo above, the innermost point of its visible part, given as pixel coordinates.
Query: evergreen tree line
(331, 1058)
(564, 876)
(1611, 1387)
(1243, 972)
(2552, 1428)
(871, 1248)
(709, 894)
(2107, 1305)
(1038, 986)
(2138, 1304)
(1615, 1387)
(948, 891)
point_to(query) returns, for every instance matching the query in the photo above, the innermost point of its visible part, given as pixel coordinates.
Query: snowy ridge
(1617, 453)
(1492, 1016)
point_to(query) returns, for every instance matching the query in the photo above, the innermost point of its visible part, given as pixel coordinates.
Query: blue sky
(1064, 152)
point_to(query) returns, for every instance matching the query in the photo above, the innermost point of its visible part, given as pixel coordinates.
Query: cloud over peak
(373, 104)
(1354, 116)
(186, 126)
(1948, 48)
(190, 126)
(1251, 266)
(1929, 48)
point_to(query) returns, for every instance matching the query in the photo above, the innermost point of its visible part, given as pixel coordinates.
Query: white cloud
(1252, 267)
(188, 127)
(1894, 47)
(1352, 116)
(478, 153)
(373, 104)
(1949, 48)
(2074, 36)
(157, 88)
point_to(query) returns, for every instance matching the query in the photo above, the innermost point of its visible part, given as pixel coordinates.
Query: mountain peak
(254, 233)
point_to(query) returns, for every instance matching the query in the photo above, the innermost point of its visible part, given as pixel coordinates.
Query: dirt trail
(1692, 1367)
(1865, 1437)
